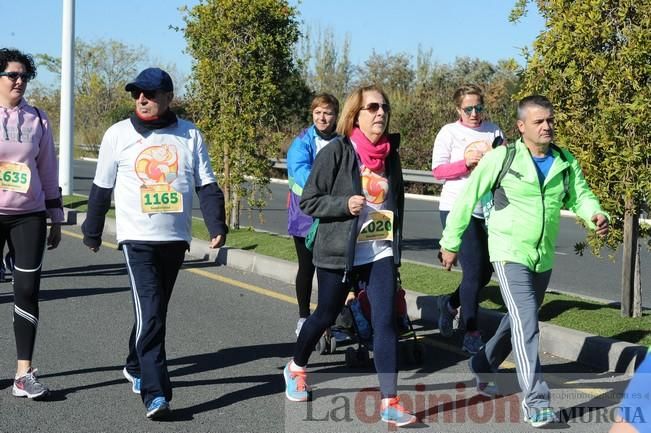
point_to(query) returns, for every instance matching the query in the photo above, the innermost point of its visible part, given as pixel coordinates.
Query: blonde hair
(352, 107)
(467, 89)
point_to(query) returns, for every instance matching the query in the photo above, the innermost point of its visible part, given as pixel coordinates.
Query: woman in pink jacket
(457, 149)
(29, 194)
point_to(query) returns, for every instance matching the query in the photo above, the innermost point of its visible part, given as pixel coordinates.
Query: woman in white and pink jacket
(29, 194)
(457, 149)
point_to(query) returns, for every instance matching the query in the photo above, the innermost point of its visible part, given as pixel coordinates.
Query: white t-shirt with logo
(449, 146)
(374, 219)
(154, 179)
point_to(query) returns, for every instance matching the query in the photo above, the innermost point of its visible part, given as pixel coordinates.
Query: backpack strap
(40, 118)
(506, 164)
(40, 122)
(566, 175)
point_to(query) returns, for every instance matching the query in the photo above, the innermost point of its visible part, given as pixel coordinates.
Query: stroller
(355, 322)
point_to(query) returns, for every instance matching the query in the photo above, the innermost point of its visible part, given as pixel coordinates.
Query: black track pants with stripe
(152, 270)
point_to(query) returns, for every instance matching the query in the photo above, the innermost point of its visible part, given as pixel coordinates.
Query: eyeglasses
(149, 94)
(478, 108)
(13, 76)
(373, 107)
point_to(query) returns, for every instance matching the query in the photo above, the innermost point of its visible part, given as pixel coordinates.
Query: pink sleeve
(453, 170)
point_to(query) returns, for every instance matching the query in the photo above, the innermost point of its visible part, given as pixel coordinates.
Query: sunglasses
(13, 76)
(373, 107)
(149, 94)
(478, 108)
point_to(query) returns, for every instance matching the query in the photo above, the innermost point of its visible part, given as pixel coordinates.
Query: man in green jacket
(522, 231)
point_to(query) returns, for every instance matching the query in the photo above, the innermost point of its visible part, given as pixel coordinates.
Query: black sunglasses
(13, 76)
(149, 94)
(478, 108)
(373, 107)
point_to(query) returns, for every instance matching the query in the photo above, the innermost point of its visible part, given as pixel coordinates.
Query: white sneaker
(299, 325)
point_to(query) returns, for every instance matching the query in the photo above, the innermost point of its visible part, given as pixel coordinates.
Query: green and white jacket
(524, 223)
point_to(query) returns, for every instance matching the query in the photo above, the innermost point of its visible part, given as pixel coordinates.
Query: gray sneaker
(458, 321)
(446, 318)
(486, 388)
(299, 325)
(29, 386)
(472, 343)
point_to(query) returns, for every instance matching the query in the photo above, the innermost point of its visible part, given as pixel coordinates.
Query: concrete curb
(601, 353)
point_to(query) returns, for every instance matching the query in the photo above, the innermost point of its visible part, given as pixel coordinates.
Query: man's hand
(54, 237)
(601, 222)
(217, 241)
(447, 258)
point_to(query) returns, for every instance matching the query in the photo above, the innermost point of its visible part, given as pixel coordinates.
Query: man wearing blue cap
(153, 162)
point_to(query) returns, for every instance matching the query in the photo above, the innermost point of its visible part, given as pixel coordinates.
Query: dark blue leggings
(379, 279)
(477, 270)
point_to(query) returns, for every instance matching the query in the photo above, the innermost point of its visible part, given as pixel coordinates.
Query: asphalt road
(229, 335)
(587, 275)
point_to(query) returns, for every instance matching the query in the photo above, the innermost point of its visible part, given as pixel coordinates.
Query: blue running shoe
(135, 381)
(296, 388)
(541, 417)
(446, 317)
(158, 408)
(394, 413)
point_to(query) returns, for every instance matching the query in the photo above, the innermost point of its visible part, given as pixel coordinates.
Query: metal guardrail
(421, 176)
(418, 176)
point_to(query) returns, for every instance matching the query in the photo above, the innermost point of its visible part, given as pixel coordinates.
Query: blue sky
(451, 28)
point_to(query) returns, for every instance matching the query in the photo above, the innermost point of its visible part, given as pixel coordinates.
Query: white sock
(294, 367)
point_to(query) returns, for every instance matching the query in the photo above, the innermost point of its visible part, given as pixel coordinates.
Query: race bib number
(160, 198)
(14, 176)
(378, 227)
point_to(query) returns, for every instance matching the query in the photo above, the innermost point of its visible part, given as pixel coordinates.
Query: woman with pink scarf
(356, 191)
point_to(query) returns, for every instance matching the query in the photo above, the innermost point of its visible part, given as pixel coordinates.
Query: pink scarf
(372, 155)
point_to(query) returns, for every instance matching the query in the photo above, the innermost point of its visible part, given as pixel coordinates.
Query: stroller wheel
(333, 345)
(322, 345)
(418, 353)
(351, 357)
(406, 353)
(363, 357)
(412, 353)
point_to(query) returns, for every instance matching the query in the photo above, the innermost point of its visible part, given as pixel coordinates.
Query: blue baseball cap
(151, 79)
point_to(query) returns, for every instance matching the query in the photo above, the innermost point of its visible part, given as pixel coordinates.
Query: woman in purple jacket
(300, 157)
(29, 194)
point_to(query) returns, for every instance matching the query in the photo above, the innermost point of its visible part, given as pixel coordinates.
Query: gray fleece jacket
(334, 178)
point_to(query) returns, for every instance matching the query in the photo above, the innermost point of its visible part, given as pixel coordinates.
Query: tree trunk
(631, 231)
(235, 211)
(637, 284)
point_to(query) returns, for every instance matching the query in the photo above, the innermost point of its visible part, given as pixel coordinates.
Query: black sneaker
(29, 386)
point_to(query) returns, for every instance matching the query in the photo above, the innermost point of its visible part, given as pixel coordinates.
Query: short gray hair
(533, 100)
